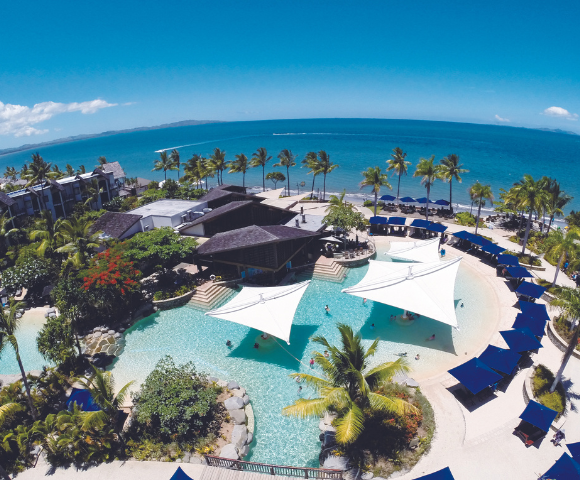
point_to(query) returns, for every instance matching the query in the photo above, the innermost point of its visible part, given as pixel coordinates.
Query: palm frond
(391, 405)
(312, 381)
(8, 410)
(386, 371)
(303, 408)
(350, 425)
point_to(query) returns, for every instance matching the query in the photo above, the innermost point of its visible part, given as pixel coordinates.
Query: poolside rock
(238, 416)
(97, 334)
(178, 460)
(232, 385)
(239, 435)
(367, 476)
(246, 399)
(244, 450)
(213, 379)
(249, 438)
(234, 403)
(111, 332)
(239, 392)
(196, 460)
(118, 335)
(229, 451)
(222, 383)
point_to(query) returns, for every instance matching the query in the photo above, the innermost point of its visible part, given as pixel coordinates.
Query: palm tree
(47, 231)
(398, 165)
(217, 162)
(373, 177)
(102, 161)
(336, 202)
(275, 177)
(325, 167)
(191, 172)
(286, 158)
(260, 159)
(92, 191)
(531, 195)
(311, 161)
(102, 389)
(176, 161)
(479, 193)
(11, 173)
(240, 165)
(164, 163)
(568, 302)
(56, 173)
(70, 171)
(348, 387)
(562, 245)
(5, 231)
(9, 324)
(450, 169)
(429, 172)
(37, 173)
(80, 241)
(82, 170)
(557, 200)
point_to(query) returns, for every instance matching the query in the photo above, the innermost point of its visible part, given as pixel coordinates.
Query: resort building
(224, 194)
(169, 213)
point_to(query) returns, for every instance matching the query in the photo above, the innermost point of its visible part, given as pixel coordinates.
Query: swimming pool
(26, 335)
(189, 335)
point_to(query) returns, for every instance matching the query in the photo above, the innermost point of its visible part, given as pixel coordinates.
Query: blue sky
(115, 65)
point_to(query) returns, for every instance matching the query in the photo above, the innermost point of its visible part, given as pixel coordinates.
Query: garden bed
(541, 381)
(562, 328)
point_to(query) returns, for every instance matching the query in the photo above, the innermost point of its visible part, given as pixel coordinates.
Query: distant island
(29, 146)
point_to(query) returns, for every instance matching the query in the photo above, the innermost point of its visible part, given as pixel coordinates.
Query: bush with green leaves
(33, 274)
(176, 403)
(56, 343)
(541, 383)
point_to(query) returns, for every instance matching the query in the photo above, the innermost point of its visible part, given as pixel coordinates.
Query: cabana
(419, 224)
(508, 260)
(530, 290)
(521, 339)
(536, 422)
(565, 468)
(268, 309)
(180, 475)
(574, 449)
(377, 224)
(535, 310)
(536, 326)
(500, 359)
(397, 222)
(518, 272)
(423, 251)
(443, 474)
(424, 288)
(436, 227)
(475, 375)
(493, 249)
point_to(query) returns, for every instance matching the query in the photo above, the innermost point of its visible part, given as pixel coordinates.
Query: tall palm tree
(11, 173)
(450, 169)
(557, 200)
(191, 170)
(429, 171)
(531, 195)
(325, 167)
(311, 161)
(9, 324)
(260, 159)
(217, 162)
(176, 161)
(479, 193)
(398, 165)
(349, 385)
(568, 303)
(101, 386)
(37, 173)
(164, 163)
(92, 191)
(56, 173)
(102, 161)
(80, 241)
(562, 245)
(286, 158)
(82, 170)
(5, 230)
(240, 165)
(70, 171)
(373, 177)
(46, 230)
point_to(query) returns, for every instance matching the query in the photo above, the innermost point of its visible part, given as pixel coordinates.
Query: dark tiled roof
(114, 224)
(250, 237)
(217, 212)
(116, 168)
(214, 194)
(6, 200)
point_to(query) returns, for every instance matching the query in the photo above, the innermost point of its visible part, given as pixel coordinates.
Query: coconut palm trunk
(399, 186)
(427, 204)
(376, 200)
(324, 189)
(567, 355)
(288, 177)
(3, 474)
(26, 384)
(528, 226)
(558, 265)
(312, 192)
(451, 195)
(478, 213)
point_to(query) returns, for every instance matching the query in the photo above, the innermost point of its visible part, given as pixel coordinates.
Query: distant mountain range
(29, 146)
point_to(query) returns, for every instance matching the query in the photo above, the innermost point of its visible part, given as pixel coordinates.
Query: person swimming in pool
(432, 337)
(327, 309)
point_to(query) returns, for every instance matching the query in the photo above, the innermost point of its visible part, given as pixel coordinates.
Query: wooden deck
(215, 473)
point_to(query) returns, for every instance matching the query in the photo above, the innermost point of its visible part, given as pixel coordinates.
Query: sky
(70, 68)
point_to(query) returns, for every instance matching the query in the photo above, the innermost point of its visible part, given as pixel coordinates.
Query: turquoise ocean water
(497, 155)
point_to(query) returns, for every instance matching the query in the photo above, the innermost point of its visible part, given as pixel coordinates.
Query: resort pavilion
(253, 250)
(224, 194)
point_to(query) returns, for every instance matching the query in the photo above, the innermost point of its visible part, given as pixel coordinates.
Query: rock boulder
(239, 392)
(234, 403)
(239, 435)
(238, 416)
(246, 399)
(232, 385)
(229, 451)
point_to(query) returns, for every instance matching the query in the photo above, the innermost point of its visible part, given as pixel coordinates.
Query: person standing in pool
(311, 363)
(327, 309)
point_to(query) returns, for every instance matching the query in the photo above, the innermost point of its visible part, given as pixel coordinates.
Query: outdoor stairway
(209, 295)
(324, 269)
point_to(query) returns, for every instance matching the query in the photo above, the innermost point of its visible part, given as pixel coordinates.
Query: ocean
(495, 155)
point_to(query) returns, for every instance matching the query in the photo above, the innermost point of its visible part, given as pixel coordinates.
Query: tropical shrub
(541, 382)
(56, 343)
(468, 220)
(33, 274)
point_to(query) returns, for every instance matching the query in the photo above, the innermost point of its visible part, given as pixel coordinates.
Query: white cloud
(18, 120)
(499, 119)
(560, 112)
(128, 103)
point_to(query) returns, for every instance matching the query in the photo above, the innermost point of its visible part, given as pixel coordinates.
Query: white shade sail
(424, 251)
(271, 194)
(424, 288)
(268, 309)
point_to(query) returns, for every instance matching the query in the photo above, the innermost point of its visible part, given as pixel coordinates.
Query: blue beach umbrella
(530, 290)
(519, 272)
(408, 200)
(477, 240)
(180, 475)
(475, 375)
(436, 227)
(443, 474)
(378, 220)
(420, 223)
(536, 326)
(423, 201)
(463, 235)
(493, 249)
(442, 202)
(574, 449)
(508, 260)
(521, 339)
(501, 359)
(565, 468)
(535, 310)
(388, 198)
(538, 415)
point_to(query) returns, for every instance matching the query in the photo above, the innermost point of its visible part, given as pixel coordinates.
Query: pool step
(327, 270)
(210, 296)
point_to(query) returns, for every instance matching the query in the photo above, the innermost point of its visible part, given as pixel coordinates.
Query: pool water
(26, 337)
(188, 335)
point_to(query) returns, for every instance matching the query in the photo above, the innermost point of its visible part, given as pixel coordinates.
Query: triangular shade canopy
(442, 202)
(180, 475)
(424, 288)
(408, 200)
(331, 239)
(565, 468)
(420, 251)
(537, 327)
(574, 449)
(530, 290)
(501, 359)
(535, 310)
(518, 272)
(506, 259)
(521, 339)
(268, 309)
(397, 221)
(475, 375)
(388, 198)
(420, 223)
(463, 235)
(444, 474)
(493, 249)
(538, 415)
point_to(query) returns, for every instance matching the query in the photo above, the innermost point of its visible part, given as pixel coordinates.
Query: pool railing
(266, 469)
